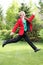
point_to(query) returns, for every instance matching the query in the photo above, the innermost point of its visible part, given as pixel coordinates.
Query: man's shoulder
(19, 20)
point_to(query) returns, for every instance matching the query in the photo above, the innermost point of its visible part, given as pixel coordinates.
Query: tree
(1, 14)
(25, 8)
(41, 9)
(11, 14)
(1, 17)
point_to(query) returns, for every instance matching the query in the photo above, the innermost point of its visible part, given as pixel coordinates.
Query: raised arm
(30, 18)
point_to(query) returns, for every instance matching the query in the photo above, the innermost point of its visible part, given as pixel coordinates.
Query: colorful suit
(19, 23)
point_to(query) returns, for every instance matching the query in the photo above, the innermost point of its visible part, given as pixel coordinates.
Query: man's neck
(23, 19)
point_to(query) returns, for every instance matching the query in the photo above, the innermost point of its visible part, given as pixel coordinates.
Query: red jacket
(19, 23)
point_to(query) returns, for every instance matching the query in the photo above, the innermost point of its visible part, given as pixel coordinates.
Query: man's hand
(34, 13)
(11, 33)
(26, 18)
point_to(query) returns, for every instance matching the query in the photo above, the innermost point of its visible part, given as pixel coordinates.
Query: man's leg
(13, 40)
(30, 43)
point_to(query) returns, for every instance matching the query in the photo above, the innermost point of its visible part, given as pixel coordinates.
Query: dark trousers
(19, 37)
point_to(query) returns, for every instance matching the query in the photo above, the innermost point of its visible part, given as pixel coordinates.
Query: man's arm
(15, 28)
(30, 18)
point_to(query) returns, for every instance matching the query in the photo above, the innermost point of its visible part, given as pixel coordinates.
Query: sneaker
(4, 43)
(37, 50)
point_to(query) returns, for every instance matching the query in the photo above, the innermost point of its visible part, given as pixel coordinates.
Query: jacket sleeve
(30, 18)
(15, 26)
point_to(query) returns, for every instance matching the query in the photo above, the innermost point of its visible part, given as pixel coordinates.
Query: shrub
(5, 34)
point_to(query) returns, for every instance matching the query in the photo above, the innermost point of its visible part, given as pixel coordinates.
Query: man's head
(22, 14)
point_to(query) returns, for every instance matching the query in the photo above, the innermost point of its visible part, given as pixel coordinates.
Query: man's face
(22, 15)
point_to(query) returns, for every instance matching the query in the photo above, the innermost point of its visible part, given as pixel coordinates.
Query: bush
(5, 34)
(41, 33)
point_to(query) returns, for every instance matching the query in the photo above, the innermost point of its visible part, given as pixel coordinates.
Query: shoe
(4, 43)
(37, 50)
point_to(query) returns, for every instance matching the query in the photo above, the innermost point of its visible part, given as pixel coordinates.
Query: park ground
(21, 54)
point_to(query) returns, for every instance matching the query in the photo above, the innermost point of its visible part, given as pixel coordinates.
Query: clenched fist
(11, 33)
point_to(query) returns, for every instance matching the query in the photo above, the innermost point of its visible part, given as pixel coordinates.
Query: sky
(6, 3)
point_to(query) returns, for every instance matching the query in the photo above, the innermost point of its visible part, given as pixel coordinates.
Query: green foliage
(5, 34)
(11, 14)
(41, 6)
(41, 33)
(25, 8)
(1, 17)
(41, 9)
(2, 26)
(1, 14)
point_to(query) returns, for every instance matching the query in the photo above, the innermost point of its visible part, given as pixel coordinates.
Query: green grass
(20, 54)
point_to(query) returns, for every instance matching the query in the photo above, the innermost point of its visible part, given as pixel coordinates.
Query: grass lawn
(20, 54)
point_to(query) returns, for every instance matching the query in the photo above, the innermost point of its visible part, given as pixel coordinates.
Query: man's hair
(22, 12)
